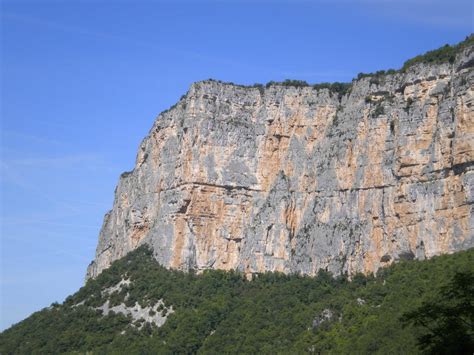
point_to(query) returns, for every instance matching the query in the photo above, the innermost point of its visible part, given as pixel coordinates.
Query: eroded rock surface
(152, 315)
(296, 179)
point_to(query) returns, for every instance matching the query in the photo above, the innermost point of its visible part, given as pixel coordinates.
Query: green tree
(447, 319)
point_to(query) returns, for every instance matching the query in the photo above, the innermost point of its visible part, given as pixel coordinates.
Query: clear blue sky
(82, 82)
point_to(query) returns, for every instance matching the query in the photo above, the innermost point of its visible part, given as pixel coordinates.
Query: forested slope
(223, 312)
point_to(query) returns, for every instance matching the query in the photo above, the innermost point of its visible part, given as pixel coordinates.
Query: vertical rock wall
(295, 179)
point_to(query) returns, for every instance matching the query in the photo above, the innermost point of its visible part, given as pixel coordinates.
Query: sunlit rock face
(297, 179)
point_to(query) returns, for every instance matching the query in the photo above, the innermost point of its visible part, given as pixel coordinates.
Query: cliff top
(443, 55)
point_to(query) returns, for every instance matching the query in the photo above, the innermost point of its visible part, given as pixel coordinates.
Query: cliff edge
(296, 178)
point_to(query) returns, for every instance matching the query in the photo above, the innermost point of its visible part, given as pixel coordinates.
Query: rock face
(297, 179)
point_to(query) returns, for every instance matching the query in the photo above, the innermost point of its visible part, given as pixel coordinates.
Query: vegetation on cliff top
(410, 307)
(336, 87)
(445, 54)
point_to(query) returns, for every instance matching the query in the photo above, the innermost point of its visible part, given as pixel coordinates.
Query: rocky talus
(297, 179)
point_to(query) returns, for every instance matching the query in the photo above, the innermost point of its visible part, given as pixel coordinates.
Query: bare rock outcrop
(297, 179)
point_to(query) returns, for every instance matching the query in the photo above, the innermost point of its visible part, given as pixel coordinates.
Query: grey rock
(297, 179)
(325, 316)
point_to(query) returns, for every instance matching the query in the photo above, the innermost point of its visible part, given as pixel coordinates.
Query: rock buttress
(297, 179)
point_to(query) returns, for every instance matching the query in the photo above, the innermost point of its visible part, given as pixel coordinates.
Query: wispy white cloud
(57, 26)
(31, 138)
(101, 35)
(25, 221)
(11, 174)
(438, 20)
(430, 13)
(124, 39)
(58, 162)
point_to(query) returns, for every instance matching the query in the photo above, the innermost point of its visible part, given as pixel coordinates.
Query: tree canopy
(403, 309)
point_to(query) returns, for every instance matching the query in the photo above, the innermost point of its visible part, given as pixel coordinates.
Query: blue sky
(82, 82)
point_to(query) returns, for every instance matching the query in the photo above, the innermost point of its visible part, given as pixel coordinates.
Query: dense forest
(409, 307)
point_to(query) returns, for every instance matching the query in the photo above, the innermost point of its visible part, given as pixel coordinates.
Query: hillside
(223, 312)
(288, 218)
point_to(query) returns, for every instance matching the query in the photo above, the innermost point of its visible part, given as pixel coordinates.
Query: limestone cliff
(294, 179)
